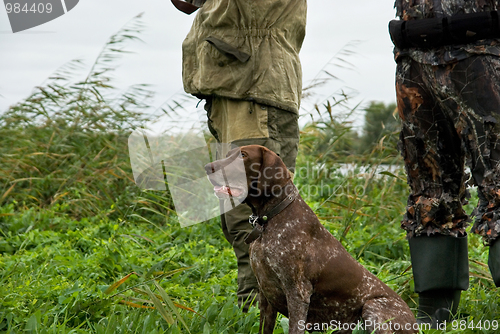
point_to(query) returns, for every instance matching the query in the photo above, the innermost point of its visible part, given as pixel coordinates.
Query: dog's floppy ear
(270, 159)
(273, 172)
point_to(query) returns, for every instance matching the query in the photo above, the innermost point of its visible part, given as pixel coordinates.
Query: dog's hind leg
(387, 316)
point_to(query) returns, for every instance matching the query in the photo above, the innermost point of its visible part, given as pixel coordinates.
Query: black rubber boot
(437, 306)
(494, 262)
(441, 271)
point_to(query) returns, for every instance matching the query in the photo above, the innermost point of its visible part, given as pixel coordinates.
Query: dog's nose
(209, 168)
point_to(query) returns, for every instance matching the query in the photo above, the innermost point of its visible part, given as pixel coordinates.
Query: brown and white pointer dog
(302, 270)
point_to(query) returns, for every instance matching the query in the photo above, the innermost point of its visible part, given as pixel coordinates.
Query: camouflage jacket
(247, 49)
(419, 9)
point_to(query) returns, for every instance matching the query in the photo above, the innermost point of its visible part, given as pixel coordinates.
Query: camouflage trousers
(246, 123)
(450, 118)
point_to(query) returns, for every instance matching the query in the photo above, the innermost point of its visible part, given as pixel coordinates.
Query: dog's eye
(243, 155)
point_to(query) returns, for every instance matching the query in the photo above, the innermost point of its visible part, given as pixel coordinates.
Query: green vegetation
(380, 121)
(83, 250)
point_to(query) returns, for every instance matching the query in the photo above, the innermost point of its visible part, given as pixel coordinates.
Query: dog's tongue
(227, 191)
(220, 189)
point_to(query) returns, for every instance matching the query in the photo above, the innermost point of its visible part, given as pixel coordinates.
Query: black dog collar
(258, 222)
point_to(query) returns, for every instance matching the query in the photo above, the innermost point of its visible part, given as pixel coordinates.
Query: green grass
(84, 250)
(55, 269)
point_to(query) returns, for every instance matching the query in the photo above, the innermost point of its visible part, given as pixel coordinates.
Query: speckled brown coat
(302, 270)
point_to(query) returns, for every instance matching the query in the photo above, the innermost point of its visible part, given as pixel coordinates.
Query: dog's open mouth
(225, 192)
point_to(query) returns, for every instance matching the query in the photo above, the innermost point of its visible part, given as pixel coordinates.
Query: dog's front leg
(267, 315)
(298, 306)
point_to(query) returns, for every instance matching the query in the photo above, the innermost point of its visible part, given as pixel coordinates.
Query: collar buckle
(253, 219)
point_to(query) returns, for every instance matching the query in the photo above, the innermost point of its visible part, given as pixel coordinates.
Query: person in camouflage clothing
(242, 57)
(448, 99)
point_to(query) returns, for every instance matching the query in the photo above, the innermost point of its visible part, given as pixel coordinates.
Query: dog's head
(252, 171)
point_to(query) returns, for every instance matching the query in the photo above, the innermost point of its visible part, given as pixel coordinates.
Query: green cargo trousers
(243, 123)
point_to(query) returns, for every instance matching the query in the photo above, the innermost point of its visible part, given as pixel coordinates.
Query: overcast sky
(28, 58)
